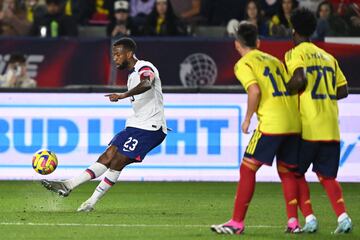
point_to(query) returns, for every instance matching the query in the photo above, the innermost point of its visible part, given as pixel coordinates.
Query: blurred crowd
(56, 18)
(16, 75)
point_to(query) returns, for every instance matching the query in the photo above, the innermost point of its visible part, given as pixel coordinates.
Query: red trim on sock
(91, 173)
(108, 181)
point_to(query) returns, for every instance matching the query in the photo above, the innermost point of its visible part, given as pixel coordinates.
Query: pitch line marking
(117, 225)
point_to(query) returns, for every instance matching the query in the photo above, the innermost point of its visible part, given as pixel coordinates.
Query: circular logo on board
(198, 69)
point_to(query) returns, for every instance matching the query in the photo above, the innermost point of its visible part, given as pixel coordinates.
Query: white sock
(342, 216)
(310, 217)
(110, 178)
(94, 171)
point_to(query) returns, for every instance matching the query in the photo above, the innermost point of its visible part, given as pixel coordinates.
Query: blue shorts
(264, 147)
(135, 143)
(324, 156)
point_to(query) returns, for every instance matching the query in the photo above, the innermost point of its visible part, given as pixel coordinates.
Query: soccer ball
(44, 162)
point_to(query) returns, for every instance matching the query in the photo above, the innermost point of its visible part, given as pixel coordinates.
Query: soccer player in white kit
(144, 130)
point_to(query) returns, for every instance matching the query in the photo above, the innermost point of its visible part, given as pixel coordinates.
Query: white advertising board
(206, 143)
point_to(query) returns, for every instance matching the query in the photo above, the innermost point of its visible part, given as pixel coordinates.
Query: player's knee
(119, 162)
(105, 160)
(116, 164)
(251, 164)
(299, 175)
(108, 156)
(322, 178)
(286, 168)
(282, 169)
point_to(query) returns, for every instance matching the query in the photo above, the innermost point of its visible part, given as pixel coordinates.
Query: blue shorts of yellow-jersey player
(135, 143)
(264, 147)
(324, 156)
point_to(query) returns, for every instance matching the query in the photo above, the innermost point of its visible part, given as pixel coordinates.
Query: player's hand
(245, 126)
(114, 97)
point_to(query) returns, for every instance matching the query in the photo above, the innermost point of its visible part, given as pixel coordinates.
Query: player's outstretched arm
(143, 86)
(297, 82)
(146, 78)
(114, 97)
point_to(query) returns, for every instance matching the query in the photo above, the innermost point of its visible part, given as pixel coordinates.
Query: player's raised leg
(63, 188)
(118, 162)
(128, 146)
(92, 172)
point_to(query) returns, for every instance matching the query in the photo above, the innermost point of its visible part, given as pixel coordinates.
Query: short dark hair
(128, 43)
(17, 58)
(304, 22)
(247, 34)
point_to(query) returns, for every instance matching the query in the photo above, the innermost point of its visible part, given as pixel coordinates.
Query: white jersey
(148, 106)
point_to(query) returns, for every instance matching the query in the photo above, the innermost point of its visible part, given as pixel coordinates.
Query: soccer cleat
(293, 226)
(345, 226)
(228, 228)
(294, 230)
(57, 187)
(311, 226)
(86, 207)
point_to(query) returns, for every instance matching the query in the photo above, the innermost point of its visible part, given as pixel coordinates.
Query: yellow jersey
(318, 102)
(277, 112)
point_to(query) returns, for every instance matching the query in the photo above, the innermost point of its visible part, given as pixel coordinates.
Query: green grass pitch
(158, 210)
